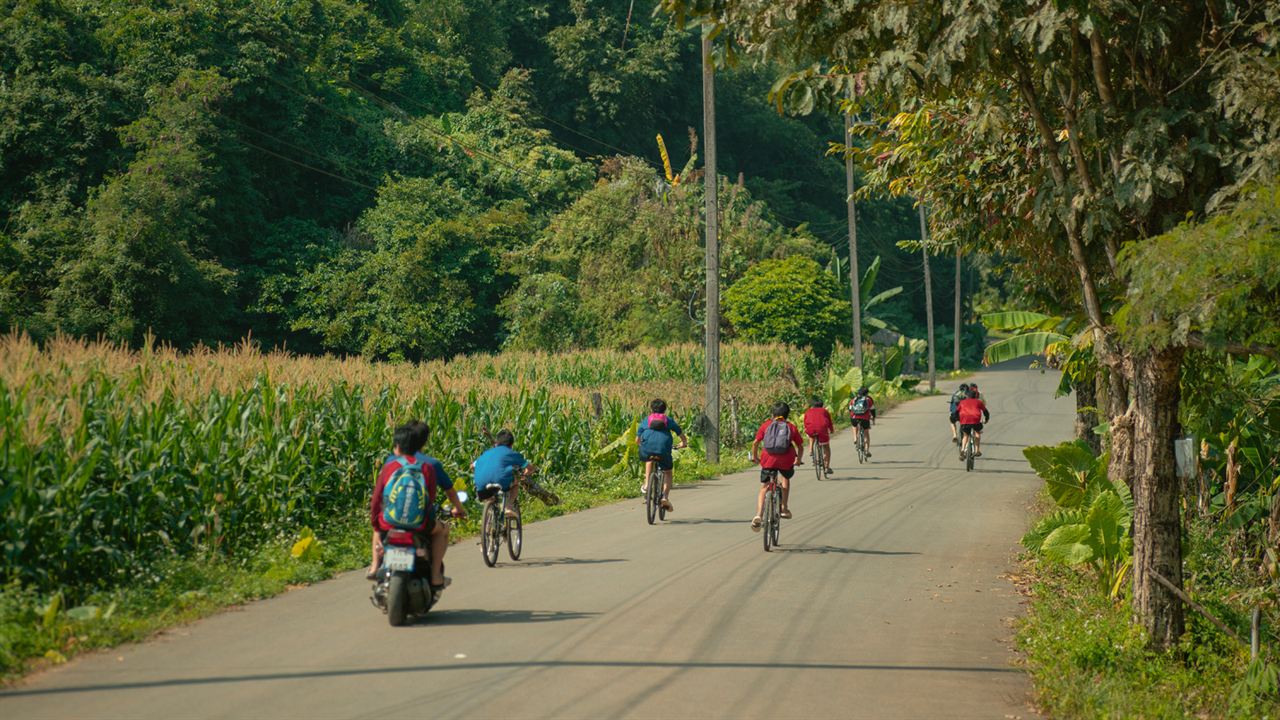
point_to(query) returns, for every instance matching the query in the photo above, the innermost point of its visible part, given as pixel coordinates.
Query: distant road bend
(886, 600)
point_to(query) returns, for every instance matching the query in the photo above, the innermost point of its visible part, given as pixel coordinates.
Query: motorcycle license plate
(398, 558)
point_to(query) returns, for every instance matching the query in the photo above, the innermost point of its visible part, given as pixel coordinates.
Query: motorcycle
(402, 586)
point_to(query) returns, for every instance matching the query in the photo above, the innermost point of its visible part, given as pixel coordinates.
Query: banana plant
(1062, 339)
(1092, 523)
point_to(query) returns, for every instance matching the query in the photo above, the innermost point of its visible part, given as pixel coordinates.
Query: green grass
(181, 590)
(1088, 660)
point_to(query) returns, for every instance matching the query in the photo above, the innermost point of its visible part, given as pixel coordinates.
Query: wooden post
(955, 361)
(855, 290)
(712, 412)
(928, 296)
(733, 418)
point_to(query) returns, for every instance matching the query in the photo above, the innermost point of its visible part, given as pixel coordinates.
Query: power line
(364, 173)
(309, 167)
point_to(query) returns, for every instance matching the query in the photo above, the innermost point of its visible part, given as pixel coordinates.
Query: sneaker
(828, 472)
(755, 523)
(785, 514)
(666, 505)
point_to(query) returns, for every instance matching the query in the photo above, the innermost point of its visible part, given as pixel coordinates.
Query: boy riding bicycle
(971, 413)
(655, 441)
(956, 397)
(498, 466)
(782, 445)
(819, 426)
(862, 412)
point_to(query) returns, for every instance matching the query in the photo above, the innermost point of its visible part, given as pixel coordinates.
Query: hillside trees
(1066, 132)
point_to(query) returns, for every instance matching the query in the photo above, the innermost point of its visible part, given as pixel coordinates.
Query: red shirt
(972, 411)
(375, 505)
(781, 461)
(818, 423)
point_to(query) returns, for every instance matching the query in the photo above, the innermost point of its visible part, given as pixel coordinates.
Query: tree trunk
(928, 298)
(855, 290)
(1120, 467)
(711, 432)
(955, 359)
(1157, 538)
(1087, 414)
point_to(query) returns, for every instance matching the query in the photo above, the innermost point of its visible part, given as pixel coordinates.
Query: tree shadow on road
(549, 561)
(831, 549)
(478, 616)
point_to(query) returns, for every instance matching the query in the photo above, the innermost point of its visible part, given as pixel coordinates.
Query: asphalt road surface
(886, 599)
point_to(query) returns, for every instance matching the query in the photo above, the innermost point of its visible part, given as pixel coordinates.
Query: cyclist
(819, 426)
(409, 439)
(862, 412)
(972, 413)
(654, 438)
(498, 466)
(782, 445)
(956, 397)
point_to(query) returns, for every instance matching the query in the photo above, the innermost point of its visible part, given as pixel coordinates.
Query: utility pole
(855, 291)
(955, 361)
(928, 296)
(712, 411)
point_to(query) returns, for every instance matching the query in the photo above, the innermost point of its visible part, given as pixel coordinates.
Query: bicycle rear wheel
(776, 526)
(515, 534)
(652, 495)
(815, 454)
(767, 517)
(968, 457)
(489, 533)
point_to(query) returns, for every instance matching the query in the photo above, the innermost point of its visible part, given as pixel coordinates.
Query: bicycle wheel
(862, 445)
(968, 457)
(767, 517)
(489, 533)
(652, 495)
(776, 526)
(515, 534)
(815, 453)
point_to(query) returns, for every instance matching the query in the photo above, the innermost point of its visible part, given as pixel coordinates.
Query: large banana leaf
(837, 391)
(1069, 544)
(1021, 345)
(1020, 320)
(881, 297)
(868, 281)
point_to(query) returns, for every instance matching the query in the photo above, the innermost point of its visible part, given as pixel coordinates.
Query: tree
(1126, 119)
(792, 301)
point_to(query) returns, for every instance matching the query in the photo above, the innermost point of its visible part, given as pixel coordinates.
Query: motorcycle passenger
(654, 438)
(409, 439)
(498, 466)
(972, 413)
(956, 397)
(781, 452)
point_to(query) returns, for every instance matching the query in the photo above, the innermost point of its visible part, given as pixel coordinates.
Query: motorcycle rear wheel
(397, 600)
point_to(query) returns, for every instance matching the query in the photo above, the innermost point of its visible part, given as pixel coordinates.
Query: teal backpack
(404, 498)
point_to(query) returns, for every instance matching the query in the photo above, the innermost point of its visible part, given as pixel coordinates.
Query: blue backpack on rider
(655, 442)
(404, 498)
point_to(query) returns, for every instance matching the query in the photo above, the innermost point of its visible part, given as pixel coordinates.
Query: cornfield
(113, 459)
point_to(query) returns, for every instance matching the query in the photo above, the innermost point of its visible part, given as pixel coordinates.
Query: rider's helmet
(863, 390)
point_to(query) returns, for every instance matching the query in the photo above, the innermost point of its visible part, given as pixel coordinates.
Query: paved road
(885, 601)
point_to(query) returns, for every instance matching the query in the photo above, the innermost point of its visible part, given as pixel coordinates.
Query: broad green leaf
(85, 613)
(1069, 544)
(50, 612)
(1047, 524)
(1021, 345)
(1017, 320)
(1105, 517)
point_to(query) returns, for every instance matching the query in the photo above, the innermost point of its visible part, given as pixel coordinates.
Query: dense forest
(396, 178)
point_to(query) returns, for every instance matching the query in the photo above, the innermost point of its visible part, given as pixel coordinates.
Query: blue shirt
(443, 480)
(498, 465)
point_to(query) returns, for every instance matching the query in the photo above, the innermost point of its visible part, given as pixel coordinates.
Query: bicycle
(860, 441)
(496, 527)
(966, 448)
(653, 492)
(816, 456)
(772, 512)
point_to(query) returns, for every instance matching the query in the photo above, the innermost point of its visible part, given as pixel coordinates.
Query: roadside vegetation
(145, 487)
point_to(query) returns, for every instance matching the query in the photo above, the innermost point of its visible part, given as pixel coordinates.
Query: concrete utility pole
(712, 411)
(928, 296)
(855, 290)
(955, 362)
